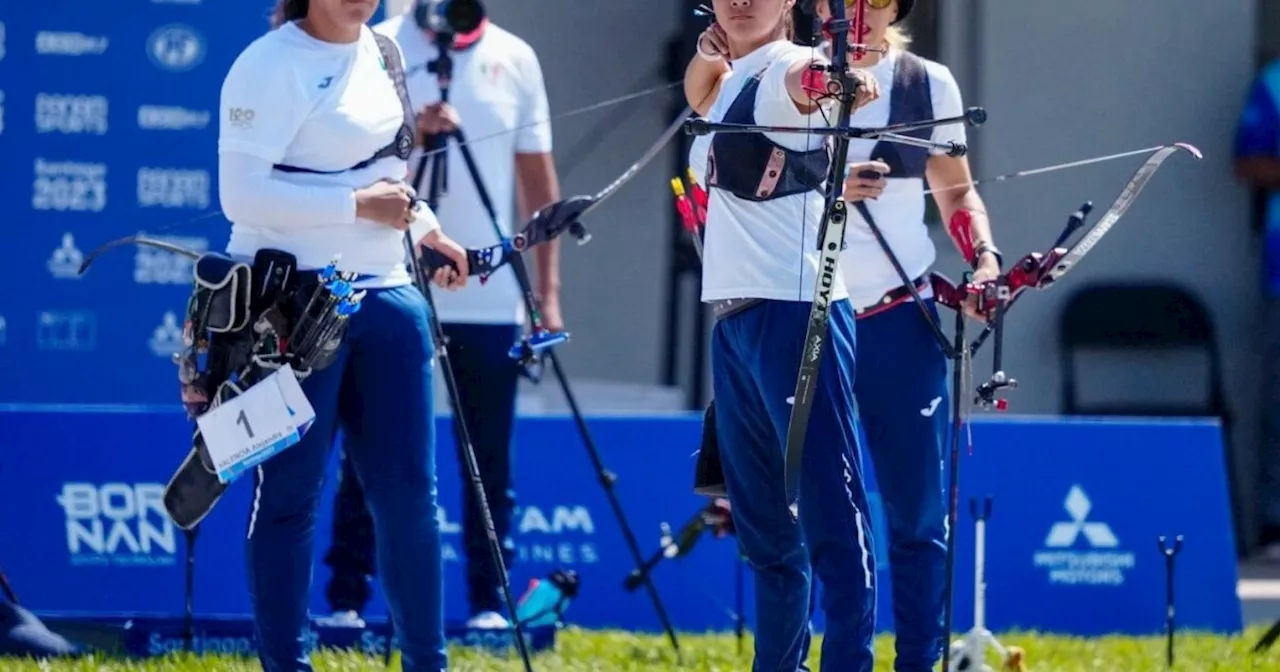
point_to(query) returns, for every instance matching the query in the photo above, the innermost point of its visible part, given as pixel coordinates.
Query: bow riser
(842, 86)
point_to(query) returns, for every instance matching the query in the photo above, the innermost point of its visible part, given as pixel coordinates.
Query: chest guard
(402, 145)
(910, 101)
(755, 168)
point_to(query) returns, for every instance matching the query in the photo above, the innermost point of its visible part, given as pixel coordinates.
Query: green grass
(589, 651)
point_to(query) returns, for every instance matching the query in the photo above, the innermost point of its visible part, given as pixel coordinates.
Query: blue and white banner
(1078, 507)
(108, 127)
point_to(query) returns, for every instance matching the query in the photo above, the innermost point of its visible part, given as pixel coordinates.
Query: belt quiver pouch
(708, 476)
(223, 293)
(216, 320)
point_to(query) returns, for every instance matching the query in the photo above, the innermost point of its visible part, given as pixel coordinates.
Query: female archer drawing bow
(760, 270)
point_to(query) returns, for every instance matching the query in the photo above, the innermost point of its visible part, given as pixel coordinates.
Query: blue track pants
(487, 382)
(380, 390)
(903, 403)
(755, 360)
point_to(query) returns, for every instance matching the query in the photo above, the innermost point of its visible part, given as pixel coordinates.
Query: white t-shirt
(900, 210)
(294, 100)
(498, 91)
(769, 249)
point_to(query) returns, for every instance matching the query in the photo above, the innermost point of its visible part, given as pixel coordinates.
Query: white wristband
(424, 222)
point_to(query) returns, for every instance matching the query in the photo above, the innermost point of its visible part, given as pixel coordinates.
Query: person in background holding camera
(312, 155)
(498, 98)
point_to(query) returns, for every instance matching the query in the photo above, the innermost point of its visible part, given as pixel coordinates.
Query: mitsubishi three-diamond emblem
(1097, 560)
(1064, 534)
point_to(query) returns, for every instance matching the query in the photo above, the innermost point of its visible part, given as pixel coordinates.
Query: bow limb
(552, 220)
(136, 239)
(1040, 270)
(841, 85)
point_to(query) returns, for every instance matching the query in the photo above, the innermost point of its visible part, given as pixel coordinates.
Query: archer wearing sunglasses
(760, 264)
(901, 380)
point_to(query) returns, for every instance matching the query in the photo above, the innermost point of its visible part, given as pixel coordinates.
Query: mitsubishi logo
(1064, 534)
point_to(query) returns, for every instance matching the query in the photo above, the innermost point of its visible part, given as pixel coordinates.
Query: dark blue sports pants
(487, 381)
(904, 406)
(755, 360)
(380, 390)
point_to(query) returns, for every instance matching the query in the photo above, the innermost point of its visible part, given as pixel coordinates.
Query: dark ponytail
(289, 10)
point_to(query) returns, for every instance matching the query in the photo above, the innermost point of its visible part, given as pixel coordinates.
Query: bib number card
(247, 430)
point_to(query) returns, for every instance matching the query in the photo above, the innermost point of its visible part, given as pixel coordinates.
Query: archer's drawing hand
(437, 119)
(386, 202)
(860, 187)
(713, 43)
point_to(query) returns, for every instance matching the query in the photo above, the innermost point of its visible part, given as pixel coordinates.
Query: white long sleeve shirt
(294, 100)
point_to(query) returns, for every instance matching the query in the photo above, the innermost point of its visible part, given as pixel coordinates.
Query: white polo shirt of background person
(766, 249)
(498, 91)
(294, 100)
(899, 212)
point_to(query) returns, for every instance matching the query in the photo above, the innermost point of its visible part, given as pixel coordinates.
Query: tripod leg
(188, 624)
(1268, 639)
(531, 304)
(606, 481)
(959, 362)
(468, 452)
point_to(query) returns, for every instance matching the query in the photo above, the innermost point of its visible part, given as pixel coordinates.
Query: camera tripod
(530, 350)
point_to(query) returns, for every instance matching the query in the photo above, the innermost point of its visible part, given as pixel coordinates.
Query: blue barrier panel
(1078, 505)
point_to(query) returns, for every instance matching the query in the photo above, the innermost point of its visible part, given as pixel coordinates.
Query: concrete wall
(1060, 81)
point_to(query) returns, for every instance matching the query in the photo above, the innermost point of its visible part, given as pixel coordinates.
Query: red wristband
(814, 81)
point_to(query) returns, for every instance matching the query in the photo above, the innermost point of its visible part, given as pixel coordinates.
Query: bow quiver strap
(403, 144)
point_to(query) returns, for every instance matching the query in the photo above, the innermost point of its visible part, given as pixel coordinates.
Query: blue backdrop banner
(108, 127)
(1078, 506)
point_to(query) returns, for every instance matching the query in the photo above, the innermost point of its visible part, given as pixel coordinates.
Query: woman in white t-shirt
(901, 380)
(312, 150)
(760, 266)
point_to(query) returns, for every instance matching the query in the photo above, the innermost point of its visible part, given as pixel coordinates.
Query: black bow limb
(547, 224)
(136, 239)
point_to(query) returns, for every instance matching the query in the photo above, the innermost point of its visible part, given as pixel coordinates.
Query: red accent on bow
(1030, 272)
(857, 49)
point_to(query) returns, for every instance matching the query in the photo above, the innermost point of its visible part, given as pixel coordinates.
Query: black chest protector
(910, 101)
(402, 145)
(755, 168)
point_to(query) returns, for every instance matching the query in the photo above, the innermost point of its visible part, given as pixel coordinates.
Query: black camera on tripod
(454, 17)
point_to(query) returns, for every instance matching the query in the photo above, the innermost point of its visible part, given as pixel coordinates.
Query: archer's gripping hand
(482, 262)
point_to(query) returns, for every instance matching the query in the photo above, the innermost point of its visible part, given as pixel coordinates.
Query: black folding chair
(1145, 317)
